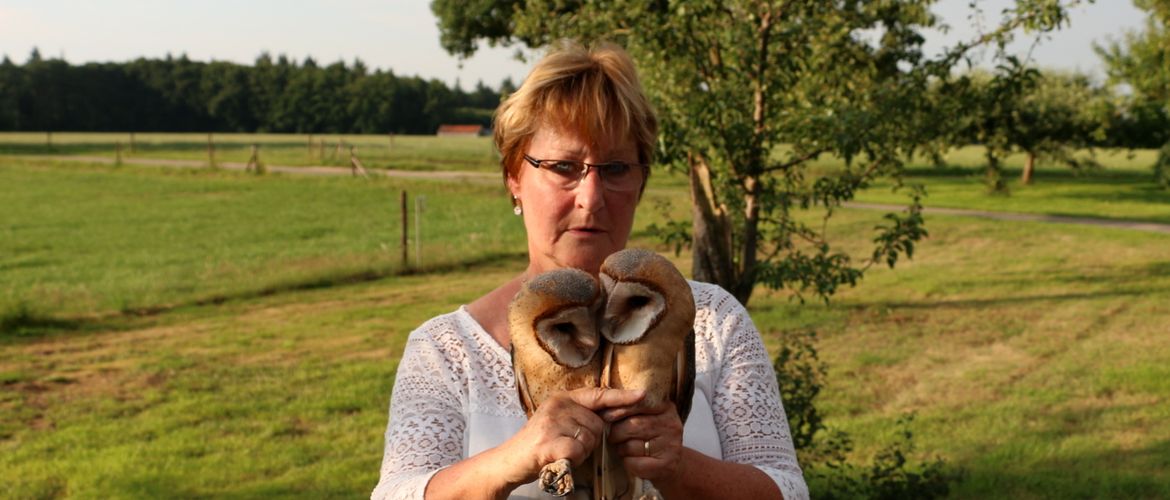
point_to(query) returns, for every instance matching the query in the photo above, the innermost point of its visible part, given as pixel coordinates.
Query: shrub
(824, 453)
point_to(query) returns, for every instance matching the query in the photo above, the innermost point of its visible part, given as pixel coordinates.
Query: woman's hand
(661, 460)
(566, 426)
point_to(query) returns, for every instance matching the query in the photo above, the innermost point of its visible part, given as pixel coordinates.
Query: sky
(397, 35)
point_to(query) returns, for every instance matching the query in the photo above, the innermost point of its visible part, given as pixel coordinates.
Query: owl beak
(587, 344)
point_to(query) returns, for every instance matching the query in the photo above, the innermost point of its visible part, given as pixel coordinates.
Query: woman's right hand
(565, 425)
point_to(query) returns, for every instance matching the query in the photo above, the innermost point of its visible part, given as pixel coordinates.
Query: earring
(516, 205)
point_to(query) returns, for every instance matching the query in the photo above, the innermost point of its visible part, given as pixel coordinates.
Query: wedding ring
(646, 447)
(578, 433)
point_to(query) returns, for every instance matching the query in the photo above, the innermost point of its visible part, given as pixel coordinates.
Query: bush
(824, 452)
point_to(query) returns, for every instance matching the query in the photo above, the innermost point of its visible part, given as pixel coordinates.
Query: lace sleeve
(749, 415)
(426, 426)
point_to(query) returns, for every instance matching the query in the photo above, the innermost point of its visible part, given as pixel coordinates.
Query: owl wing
(522, 387)
(683, 383)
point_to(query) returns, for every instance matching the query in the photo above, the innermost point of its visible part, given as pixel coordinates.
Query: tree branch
(789, 164)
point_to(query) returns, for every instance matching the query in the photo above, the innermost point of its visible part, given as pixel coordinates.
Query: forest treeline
(177, 94)
(280, 95)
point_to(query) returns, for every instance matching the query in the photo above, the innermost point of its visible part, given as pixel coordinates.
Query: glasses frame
(585, 171)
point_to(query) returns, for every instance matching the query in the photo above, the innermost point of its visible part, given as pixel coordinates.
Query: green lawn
(1122, 190)
(207, 333)
(89, 239)
(408, 152)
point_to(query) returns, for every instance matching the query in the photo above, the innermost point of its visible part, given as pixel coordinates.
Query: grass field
(396, 152)
(1123, 190)
(206, 333)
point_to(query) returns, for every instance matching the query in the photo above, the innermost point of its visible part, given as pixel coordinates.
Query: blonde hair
(593, 91)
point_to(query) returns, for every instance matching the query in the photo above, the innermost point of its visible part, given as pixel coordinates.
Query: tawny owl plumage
(649, 328)
(555, 343)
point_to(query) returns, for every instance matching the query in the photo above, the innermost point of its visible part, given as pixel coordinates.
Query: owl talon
(556, 478)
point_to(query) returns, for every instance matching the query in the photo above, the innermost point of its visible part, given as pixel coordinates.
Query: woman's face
(576, 227)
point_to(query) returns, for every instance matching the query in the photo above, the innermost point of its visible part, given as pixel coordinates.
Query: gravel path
(284, 169)
(495, 177)
(1015, 216)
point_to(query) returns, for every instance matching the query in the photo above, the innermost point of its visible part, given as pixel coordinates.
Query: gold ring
(578, 433)
(646, 447)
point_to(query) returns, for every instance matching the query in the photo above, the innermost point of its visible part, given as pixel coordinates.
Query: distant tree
(229, 96)
(440, 102)
(507, 86)
(483, 97)
(178, 94)
(1063, 115)
(371, 103)
(410, 98)
(1021, 109)
(43, 103)
(1141, 59)
(11, 87)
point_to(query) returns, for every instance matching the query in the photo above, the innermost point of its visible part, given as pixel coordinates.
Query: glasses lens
(564, 173)
(615, 176)
(619, 176)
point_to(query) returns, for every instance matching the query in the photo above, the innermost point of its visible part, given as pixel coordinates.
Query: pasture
(382, 151)
(211, 333)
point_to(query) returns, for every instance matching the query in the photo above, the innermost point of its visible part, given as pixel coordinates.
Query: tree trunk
(995, 183)
(746, 281)
(1029, 169)
(712, 260)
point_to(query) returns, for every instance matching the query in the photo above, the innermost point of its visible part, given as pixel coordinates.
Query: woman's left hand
(661, 460)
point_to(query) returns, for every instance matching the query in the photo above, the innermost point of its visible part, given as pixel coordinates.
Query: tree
(1141, 59)
(1063, 114)
(749, 93)
(11, 87)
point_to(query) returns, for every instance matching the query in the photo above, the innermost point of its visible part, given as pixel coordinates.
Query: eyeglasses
(615, 175)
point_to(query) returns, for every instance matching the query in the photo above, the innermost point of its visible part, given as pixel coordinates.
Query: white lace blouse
(455, 396)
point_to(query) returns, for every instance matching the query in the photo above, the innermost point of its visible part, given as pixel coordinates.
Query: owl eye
(638, 301)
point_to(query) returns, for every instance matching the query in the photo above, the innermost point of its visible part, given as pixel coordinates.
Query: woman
(576, 140)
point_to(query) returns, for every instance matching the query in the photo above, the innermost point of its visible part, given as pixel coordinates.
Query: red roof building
(462, 130)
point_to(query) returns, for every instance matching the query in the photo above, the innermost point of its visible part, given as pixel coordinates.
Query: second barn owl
(649, 328)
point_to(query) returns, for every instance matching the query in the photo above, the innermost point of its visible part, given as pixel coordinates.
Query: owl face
(637, 284)
(569, 335)
(631, 310)
(562, 307)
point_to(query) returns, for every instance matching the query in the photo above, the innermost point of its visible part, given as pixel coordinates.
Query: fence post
(210, 152)
(131, 142)
(254, 163)
(405, 229)
(420, 203)
(355, 165)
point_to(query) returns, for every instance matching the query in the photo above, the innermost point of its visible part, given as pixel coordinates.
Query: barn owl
(648, 324)
(555, 344)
